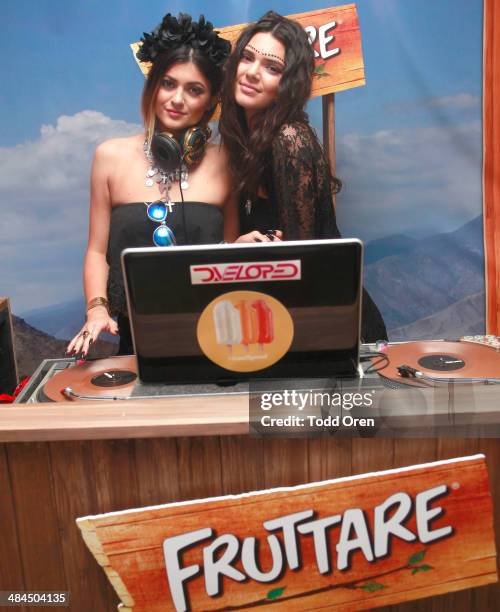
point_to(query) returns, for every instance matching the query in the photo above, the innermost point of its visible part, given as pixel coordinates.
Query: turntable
(473, 359)
(113, 378)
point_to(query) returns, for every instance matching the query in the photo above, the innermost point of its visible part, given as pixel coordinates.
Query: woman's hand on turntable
(256, 236)
(98, 320)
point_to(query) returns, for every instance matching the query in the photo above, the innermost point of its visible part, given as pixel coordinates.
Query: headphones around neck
(169, 153)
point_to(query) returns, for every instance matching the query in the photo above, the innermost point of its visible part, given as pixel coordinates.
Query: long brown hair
(248, 149)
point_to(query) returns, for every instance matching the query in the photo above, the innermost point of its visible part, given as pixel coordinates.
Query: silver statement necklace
(164, 179)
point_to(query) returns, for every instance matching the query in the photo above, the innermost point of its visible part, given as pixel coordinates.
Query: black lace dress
(299, 202)
(191, 223)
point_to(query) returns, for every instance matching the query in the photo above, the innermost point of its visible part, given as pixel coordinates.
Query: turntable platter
(101, 378)
(441, 359)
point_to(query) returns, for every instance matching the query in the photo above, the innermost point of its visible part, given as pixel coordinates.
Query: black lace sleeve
(302, 190)
(301, 185)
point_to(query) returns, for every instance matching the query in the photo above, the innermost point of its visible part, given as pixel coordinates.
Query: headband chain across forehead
(264, 54)
(175, 32)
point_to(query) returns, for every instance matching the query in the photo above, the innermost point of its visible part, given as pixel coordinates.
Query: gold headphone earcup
(194, 143)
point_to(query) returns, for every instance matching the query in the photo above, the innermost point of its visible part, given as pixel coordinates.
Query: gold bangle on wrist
(98, 301)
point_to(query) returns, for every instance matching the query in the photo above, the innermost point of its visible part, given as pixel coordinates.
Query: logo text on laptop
(249, 271)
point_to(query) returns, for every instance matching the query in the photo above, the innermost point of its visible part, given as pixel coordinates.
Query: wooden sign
(347, 544)
(336, 39)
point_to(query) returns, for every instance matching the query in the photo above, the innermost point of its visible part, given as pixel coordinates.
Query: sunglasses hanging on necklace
(157, 211)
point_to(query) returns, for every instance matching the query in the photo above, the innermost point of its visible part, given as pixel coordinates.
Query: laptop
(241, 312)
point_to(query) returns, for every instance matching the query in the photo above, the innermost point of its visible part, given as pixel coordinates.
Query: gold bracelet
(98, 301)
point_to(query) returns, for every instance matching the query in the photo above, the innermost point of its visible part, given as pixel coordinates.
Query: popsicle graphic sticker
(227, 323)
(245, 331)
(265, 325)
(255, 322)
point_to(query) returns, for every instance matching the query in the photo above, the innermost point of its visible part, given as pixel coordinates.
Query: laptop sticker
(245, 331)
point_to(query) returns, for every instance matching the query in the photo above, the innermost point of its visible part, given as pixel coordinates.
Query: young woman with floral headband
(277, 163)
(165, 185)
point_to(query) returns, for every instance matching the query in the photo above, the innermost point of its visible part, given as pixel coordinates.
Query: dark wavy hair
(248, 149)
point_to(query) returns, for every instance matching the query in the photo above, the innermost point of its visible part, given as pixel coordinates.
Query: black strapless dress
(191, 223)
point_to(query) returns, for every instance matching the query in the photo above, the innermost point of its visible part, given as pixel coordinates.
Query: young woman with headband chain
(279, 167)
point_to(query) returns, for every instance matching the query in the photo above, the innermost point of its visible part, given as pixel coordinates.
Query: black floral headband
(173, 32)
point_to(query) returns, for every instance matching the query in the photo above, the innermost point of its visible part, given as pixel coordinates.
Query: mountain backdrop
(429, 277)
(32, 346)
(61, 320)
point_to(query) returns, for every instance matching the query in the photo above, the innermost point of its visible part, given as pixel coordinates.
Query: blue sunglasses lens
(157, 211)
(163, 236)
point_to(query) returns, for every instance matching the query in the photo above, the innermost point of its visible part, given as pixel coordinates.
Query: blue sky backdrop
(408, 143)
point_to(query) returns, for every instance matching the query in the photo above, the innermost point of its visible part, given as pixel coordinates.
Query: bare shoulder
(217, 152)
(216, 160)
(118, 148)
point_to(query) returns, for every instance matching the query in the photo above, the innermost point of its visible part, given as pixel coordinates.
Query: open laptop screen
(244, 311)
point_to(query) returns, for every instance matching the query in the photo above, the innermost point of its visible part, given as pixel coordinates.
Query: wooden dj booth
(63, 461)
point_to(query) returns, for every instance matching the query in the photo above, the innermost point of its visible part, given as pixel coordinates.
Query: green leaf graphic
(371, 587)
(275, 593)
(319, 68)
(421, 568)
(416, 557)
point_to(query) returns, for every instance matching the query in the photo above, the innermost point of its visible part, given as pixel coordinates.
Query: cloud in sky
(456, 102)
(57, 163)
(44, 195)
(459, 101)
(413, 181)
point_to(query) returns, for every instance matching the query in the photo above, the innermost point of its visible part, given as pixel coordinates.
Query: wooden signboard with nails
(348, 544)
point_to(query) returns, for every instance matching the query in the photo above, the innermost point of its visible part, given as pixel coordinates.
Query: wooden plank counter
(61, 462)
(174, 416)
